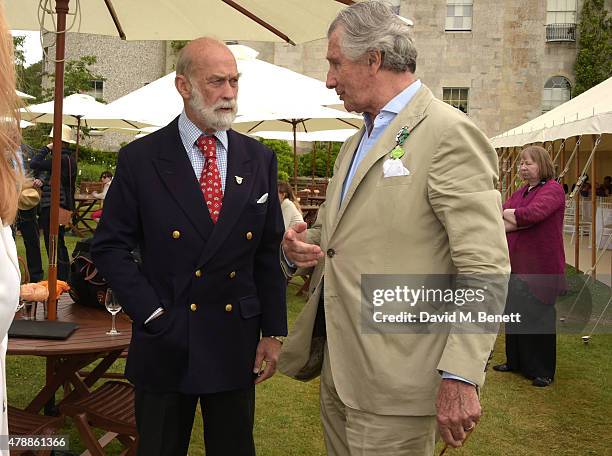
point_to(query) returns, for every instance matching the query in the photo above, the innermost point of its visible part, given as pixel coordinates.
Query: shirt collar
(190, 132)
(396, 104)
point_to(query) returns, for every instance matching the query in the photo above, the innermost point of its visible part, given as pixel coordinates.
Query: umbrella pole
(76, 153)
(314, 162)
(295, 166)
(329, 144)
(61, 7)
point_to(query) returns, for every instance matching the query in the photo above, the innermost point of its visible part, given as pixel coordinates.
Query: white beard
(209, 116)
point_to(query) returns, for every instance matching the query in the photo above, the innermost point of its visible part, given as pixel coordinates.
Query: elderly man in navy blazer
(208, 299)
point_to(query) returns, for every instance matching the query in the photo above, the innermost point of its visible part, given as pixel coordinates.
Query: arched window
(557, 90)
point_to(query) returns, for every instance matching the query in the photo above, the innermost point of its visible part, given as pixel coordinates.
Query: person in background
(10, 186)
(27, 219)
(289, 205)
(106, 178)
(41, 165)
(533, 217)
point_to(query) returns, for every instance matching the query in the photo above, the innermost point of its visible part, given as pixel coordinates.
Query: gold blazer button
(249, 235)
(193, 307)
(228, 307)
(198, 273)
(176, 234)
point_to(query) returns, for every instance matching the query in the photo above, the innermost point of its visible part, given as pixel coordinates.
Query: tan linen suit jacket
(443, 218)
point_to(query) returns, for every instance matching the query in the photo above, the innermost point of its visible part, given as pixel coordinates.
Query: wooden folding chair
(25, 423)
(110, 408)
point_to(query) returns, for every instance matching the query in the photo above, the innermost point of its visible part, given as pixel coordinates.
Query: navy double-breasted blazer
(220, 284)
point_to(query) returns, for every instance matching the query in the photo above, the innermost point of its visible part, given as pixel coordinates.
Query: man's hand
(458, 410)
(268, 350)
(297, 250)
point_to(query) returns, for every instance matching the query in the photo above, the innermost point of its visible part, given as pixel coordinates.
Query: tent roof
(588, 113)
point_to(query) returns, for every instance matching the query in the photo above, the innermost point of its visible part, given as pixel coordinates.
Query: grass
(569, 418)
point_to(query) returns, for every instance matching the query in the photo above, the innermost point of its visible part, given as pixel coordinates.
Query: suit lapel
(175, 170)
(236, 196)
(410, 117)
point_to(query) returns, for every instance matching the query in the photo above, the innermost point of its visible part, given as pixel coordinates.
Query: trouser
(27, 224)
(165, 420)
(352, 432)
(534, 355)
(63, 261)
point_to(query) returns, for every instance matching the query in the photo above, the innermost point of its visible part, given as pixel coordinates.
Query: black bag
(87, 286)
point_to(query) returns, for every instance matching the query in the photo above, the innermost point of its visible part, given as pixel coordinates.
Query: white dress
(9, 298)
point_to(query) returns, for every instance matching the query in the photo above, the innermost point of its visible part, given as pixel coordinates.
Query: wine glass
(113, 306)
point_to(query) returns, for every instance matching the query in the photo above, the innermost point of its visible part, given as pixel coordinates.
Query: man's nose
(330, 81)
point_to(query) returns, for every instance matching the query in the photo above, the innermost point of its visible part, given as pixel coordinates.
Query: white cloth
(9, 298)
(291, 214)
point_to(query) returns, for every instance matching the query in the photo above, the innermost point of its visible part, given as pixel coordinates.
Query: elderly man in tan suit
(383, 393)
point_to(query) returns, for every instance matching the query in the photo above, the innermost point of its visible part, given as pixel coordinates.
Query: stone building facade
(501, 62)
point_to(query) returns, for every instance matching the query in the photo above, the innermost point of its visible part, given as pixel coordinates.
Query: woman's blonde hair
(542, 158)
(10, 133)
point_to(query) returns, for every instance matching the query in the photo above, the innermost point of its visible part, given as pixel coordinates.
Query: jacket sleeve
(546, 201)
(116, 237)
(462, 193)
(269, 279)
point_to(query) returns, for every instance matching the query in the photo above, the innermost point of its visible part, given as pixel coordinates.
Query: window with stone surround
(456, 97)
(97, 89)
(459, 15)
(561, 20)
(557, 90)
(560, 12)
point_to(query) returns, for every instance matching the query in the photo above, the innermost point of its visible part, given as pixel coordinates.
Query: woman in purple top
(533, 217)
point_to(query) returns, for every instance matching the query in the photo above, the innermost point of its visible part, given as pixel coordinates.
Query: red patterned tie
(210, 179)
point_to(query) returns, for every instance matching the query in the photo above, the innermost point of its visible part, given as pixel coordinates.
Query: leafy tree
(77, 76)
(284, 156)
(305, 165)
(18, 42)
(30, 80)
(594, 59)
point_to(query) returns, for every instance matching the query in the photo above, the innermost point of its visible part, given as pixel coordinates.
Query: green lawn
(572, 417)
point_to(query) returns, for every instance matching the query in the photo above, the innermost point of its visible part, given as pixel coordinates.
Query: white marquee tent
(588, 113)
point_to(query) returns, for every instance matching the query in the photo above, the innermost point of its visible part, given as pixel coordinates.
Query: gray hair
(373, 26)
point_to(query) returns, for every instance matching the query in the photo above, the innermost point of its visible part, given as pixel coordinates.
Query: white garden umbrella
(24, 96)
(293, 21)
(314, 136)
(76, 108)
(258, 20)
(262, 85)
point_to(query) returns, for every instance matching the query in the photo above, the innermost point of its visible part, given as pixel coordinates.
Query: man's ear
(183, 86)
(375, 60)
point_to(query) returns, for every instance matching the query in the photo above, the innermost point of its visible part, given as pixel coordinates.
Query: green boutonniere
(398, 152)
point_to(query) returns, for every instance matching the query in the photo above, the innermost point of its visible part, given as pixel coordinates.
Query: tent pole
(577, 216)
(61, 7)
(593, 211)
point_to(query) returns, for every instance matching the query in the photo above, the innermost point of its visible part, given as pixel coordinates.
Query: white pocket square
(262, 199)
(393, 167)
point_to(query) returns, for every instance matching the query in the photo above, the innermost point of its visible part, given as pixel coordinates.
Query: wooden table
(65, 358)
(85, 204)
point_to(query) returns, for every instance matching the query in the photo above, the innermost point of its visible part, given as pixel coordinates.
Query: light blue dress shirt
(190, 133)
(375, 127)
